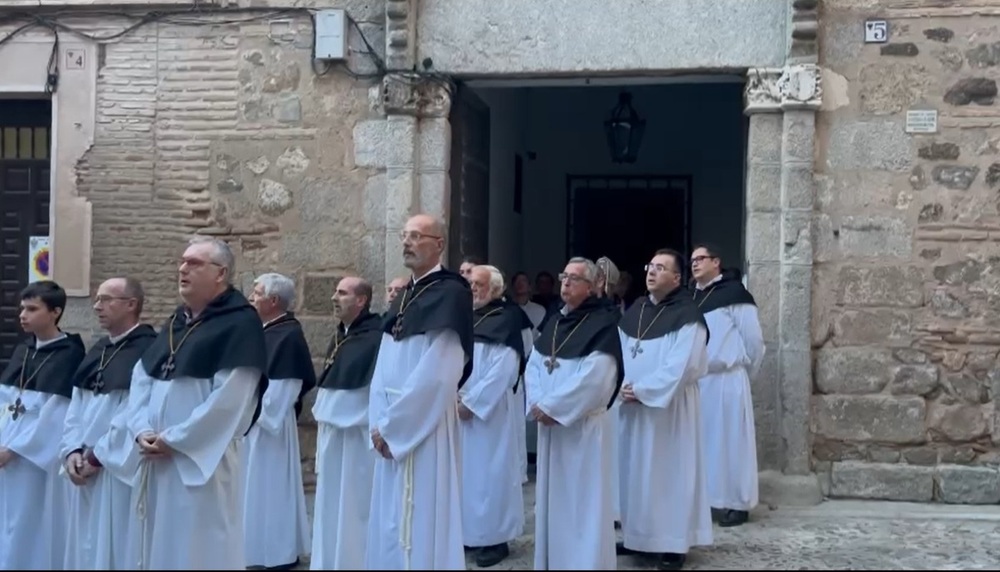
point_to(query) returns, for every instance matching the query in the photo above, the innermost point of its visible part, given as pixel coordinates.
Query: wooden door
(469, 217)
(25, 127)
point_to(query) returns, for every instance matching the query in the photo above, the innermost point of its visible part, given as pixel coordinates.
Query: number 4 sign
(876, 31)
(75, 60)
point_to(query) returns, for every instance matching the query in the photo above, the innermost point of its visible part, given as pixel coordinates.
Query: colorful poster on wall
(38, 258)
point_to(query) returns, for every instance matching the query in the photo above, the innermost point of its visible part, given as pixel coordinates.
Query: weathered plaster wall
(484, 37)
(907, 255)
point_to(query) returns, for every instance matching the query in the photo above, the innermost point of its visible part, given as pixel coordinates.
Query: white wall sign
(921, 121)
(76, 59)
(876, 31)
(38, 258)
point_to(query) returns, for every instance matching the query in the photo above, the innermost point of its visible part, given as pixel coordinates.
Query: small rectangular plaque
(876, 31)
(921, 121)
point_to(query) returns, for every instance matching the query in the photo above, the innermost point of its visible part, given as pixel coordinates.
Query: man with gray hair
(274, 517)
(492, 501)
(572, 378)
(195, 392)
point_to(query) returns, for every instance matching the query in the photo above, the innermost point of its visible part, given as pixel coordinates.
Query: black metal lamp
(624, 130)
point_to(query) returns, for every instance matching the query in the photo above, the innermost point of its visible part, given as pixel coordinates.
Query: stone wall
(231, 130)
(906, 329)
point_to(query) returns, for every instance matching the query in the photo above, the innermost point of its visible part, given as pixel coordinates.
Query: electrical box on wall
(331, 34)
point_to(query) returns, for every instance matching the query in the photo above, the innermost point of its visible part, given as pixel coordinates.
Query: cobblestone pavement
(844, 535)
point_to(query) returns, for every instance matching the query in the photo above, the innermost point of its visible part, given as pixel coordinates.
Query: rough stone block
(905, 49)
(879, 418)
(796, 237)
(939, 151)
(924, 456)
(798, 136)
(763, 186)
(862, 327)
(877, 145)
(317, 293)
(763, 280)
(955, 177)
(435, 192)
(890, 87)
(978, 90)
(798, 189)
(382, 143)
(435, 144)
(763, 236)
(875, 236)
(764, 138)
(796, 389)
(400, 196)
(317, 332)
(968, 485)
(913, 379)
(852, 370)
(959, 422)
(853, 479)
(881, 286)
(796, 307)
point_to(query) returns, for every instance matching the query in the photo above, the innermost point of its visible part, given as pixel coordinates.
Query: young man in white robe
(424, 359)
(35, 390)
(99, 458)
(492, 501)
(735, 352)
(664, 498)
(572, 378)
(274, 518)
(195, 393)
(344, 459)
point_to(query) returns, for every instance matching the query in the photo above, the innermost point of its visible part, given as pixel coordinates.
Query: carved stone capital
(773, 90)
(415, 95)
(803, 45)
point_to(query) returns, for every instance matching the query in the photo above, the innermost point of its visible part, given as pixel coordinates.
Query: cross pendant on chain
(17, 409)
(397, 328)
(636, 350)
(167, 367)
(98, 383)
(551, 364)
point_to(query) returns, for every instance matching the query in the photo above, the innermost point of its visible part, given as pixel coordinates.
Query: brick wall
(907, 238)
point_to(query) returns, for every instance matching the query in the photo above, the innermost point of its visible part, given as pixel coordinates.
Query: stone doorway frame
(413, 141)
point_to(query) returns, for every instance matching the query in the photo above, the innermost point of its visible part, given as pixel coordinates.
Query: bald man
(394, 288)
(424, 359)
(344, 463)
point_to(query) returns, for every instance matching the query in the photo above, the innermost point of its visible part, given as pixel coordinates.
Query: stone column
(782, 104)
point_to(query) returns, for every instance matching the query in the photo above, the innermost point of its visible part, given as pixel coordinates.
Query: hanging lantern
(624, 130)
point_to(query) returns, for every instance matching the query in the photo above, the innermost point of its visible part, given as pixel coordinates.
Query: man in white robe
(492, 501)
(35, 390)
(664, 498)
(394, 288)
(604, 286)
(195, 392)
(572, 377)
(344, 459)
(100, 458)
(424, 358)
(521, 295)
(275, 519)
(735, 352)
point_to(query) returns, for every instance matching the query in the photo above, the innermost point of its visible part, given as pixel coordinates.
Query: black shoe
(620, 550)
(492, 555)
(734, 518)
(671, 561)
(618, 525)
(284, 566)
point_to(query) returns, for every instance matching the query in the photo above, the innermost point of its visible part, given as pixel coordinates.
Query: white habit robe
(517, 408)
(33, 497)
(664, 498)
(100, 511)
(344, 467)
(492, 501)
(274, 515)
(573, 497)
(416, 511)
(735, 352)
(191, 503)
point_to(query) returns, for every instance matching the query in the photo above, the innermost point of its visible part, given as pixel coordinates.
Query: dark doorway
(468, 226)
(627, 218)
(25, 139)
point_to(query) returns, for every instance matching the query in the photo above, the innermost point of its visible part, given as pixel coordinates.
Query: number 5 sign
(876, 31)
(76, 60)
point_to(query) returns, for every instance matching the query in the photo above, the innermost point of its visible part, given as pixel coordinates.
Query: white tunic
(191, 503)
(492, 501)
(33, 497)
(100, 511)
(663, 491)
(517, 409)
(344, 467)
(573, 504)
(275, 520)
(416, 517)
(735, 352)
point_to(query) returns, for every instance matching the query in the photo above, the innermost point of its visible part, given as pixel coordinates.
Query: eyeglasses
(572, 278)
(414, 236)
(700, 259)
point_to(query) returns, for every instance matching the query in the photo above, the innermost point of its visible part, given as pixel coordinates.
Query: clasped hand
(628, 394)
(542, 417)
(152, 446)
(78, 469)
(380, 445)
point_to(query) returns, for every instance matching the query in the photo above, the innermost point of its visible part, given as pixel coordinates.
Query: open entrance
(534, 182)
(25, 140)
